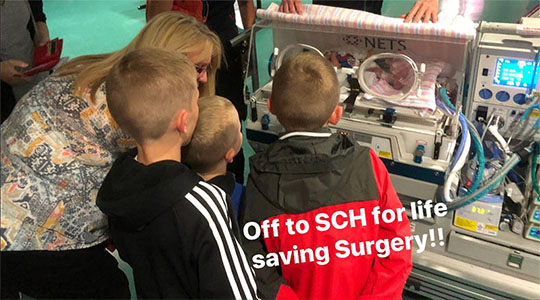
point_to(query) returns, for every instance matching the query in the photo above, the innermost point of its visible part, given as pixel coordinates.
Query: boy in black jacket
(171, 227)
(312, 175)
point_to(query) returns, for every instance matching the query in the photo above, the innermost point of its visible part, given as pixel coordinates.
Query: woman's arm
(42, 35)
(247, 11)
(155, 7)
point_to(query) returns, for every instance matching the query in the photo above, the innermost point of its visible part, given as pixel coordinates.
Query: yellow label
(491, 227)
(385, 154)
(535, 114)
(465, 223)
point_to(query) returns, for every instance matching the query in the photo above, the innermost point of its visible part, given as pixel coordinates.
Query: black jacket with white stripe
(175, 231)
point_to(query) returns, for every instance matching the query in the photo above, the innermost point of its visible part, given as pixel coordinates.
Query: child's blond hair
(214, 135)
(146, 88)
(305, 92)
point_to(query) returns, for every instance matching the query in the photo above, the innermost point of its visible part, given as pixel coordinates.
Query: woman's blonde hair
(169, 30)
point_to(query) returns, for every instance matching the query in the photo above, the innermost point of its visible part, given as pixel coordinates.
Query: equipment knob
(485, 94)
(420, 151)
(502, 96)
(265, 122)
(520, 99)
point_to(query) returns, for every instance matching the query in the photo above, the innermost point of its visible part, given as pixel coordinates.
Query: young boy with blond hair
(170, 226)
(215, 142)
(312, 172)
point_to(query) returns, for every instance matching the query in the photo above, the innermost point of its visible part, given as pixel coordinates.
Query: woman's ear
(269, 105)
(336, 115)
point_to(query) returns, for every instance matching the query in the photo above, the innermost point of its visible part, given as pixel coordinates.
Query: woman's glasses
(201, 69)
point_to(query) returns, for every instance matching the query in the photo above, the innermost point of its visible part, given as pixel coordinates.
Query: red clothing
(193, 8)
(298, 178)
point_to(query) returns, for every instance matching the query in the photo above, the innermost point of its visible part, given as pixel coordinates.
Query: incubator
(403, 87)
(388, 72)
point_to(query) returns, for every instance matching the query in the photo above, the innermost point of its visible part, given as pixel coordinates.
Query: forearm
(155, 7)
(42, 35)
(247, 11)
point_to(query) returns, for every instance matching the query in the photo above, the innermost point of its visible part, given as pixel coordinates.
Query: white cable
(487, 126)
(274, 69)
(421, 75)
(453, 177)
(494, 130)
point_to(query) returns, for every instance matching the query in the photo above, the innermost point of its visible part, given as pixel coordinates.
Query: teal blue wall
(509, 11)
(90, 27)
(93, 27)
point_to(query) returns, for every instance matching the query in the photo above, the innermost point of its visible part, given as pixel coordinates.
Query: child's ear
(336, 115)
(269, 105)
(229, 156)
(181, 120)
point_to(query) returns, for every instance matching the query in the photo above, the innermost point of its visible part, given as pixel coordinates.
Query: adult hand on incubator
(292, 6)
(423, 10)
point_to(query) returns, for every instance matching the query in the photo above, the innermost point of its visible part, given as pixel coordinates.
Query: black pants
(87, 273)
(7, 101)
(229, 81)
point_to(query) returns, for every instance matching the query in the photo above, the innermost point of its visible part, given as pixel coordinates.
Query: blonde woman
(57, 147)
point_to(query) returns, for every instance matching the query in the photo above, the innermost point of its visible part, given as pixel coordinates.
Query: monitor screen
(515, 72)
(535, 232)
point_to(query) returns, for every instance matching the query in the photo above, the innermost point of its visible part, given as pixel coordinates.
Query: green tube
(477, 142)
(533, 169)
(490, 185)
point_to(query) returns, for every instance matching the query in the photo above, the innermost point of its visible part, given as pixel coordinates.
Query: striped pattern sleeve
(211, 202)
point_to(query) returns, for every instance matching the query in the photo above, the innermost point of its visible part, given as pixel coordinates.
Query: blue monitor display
(515, 72)
(535, 233)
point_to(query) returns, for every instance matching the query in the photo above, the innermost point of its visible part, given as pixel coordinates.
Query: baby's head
(305, 93)
(217, 137)
(152, 95)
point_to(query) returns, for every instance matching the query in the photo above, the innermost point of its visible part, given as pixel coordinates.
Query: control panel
(505, 81)
(504, 73)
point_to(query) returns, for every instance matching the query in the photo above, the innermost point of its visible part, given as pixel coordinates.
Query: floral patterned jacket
(56, 151)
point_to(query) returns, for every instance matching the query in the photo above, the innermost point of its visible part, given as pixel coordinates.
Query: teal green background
(90, 27)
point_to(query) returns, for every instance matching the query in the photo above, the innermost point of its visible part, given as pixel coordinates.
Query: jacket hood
(134, 194)
(303, 172)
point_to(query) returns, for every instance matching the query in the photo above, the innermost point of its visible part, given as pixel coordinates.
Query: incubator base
(473, 265)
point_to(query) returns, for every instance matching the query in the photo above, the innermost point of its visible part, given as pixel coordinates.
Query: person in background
(422, 10)
(23, 27)
(57, 146)
(469, 9)
(220, 17)
(230, 79)
(194, 8)
(172, 228)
